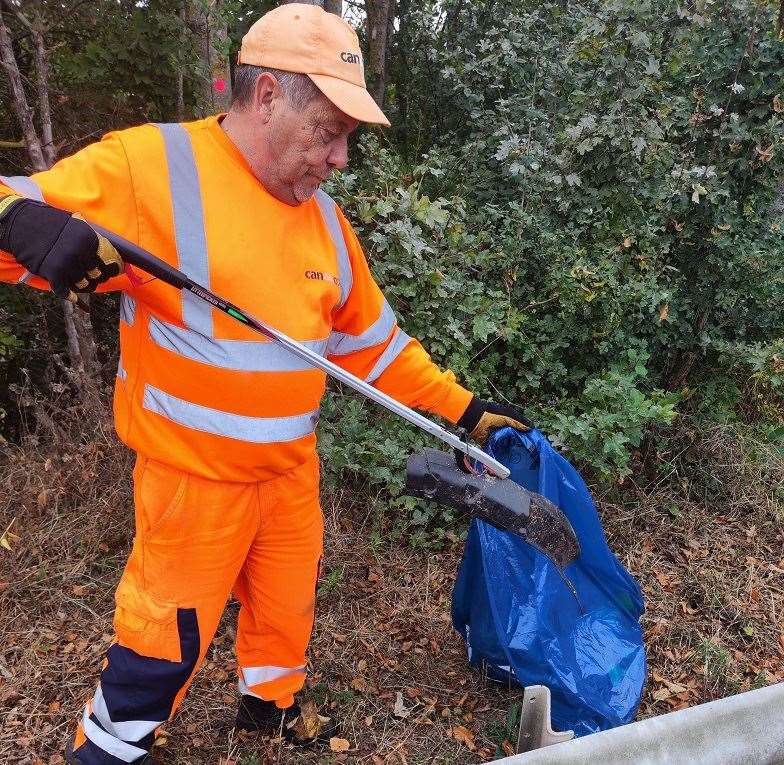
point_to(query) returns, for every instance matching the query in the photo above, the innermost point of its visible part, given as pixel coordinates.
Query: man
(226, 480)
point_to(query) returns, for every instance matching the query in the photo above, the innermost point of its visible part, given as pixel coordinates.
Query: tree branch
(19, 100)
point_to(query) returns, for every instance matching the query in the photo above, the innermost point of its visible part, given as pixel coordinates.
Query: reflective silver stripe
(190, 236)
(241, 355)
(127, 309)
(256, 430)
(121, 373)
(110, 744)
(257, 675)
(131, 730)
(341, 344)
(391, 352)
(330, 215)
(24, 277)
(23, 185)
(244, 690)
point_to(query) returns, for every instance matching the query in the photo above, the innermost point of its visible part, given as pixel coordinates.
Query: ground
(709, 555)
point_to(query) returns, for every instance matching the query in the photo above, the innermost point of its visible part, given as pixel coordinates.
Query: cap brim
(351, 99)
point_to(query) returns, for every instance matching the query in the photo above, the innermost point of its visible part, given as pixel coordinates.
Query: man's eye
(327, 136)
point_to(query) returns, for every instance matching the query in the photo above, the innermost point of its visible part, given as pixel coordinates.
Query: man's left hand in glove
(482, 418)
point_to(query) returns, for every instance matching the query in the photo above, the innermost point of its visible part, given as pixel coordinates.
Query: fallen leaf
(506, 745)
(309, 723)
(664, 312)
(399, 709)
(662, 578)
(662, 694)
(778, 104)
(464, 736)
(361, 665)
(339, 745)
(359, 684)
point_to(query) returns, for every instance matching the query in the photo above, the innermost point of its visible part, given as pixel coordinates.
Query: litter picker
(431, 474)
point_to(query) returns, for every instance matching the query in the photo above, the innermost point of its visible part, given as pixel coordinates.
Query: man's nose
(338, 154)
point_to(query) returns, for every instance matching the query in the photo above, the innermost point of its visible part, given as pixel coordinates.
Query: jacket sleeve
(367, 341)
(95, 182)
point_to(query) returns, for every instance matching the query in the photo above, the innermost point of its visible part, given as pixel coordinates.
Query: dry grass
(709, 557)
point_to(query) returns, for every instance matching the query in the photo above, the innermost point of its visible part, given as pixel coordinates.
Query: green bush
(589, 229)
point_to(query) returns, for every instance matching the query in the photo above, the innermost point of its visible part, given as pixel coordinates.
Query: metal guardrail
(746, 729)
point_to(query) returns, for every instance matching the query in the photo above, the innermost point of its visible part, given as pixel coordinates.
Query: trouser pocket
(146, 624)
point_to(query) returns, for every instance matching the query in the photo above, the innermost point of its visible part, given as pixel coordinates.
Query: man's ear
(266, 96)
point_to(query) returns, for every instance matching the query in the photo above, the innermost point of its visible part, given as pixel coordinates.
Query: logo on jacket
(322, 277)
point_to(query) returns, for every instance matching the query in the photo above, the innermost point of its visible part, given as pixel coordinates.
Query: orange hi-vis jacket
(196, 389)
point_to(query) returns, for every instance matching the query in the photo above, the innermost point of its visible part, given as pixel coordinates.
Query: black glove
(56, 246)
(481, 418)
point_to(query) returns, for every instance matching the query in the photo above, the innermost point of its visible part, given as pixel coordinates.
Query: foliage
(578, 210)
(591, 227)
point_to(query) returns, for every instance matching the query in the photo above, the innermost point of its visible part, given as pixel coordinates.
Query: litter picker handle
(136, 256)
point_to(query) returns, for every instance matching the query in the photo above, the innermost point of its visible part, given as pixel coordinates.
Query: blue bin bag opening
(521, 623)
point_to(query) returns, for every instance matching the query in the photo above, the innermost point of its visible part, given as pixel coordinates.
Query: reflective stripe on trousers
(249, 677)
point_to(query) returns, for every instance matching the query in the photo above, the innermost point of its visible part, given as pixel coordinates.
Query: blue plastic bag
(519, 619)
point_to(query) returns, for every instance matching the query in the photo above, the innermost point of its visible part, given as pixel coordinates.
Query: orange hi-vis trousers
(196, 542)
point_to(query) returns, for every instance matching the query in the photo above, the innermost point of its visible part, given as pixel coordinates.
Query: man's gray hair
(299, 88)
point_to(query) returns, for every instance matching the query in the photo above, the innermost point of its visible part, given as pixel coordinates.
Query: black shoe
(259, 716)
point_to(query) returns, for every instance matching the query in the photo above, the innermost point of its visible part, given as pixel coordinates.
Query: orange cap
(305, 38)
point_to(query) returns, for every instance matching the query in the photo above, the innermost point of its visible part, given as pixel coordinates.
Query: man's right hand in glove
(56, 246)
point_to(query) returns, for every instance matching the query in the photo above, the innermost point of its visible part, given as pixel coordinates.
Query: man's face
(306, 146)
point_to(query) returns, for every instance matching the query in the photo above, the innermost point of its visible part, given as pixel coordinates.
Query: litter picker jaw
(498, 501)
(434, 475)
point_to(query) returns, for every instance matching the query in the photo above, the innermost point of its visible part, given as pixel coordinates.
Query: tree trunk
(330, 6)
(181, 74)
(780, 21)
(199, 27)
(380, 17)
(21, 108)
(211, 42)
(78, 330)
(42, 82)
(220, 82)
